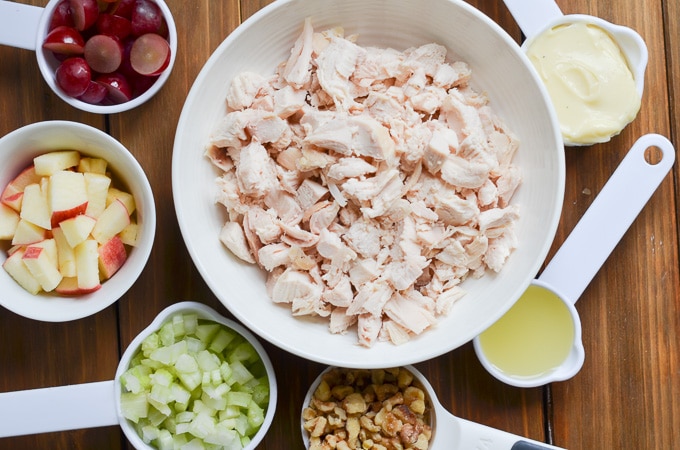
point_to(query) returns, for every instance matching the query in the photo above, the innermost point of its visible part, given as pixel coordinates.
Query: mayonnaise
(588, 79)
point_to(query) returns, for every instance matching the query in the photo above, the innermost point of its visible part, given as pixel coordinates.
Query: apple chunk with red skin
(87, 265)
(42, 266)
(9, 219)
(15, 267)
(66, 195)
(14, 191)
(112, 256)
(112, 221)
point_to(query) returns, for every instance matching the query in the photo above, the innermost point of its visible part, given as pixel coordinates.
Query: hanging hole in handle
(653, 155)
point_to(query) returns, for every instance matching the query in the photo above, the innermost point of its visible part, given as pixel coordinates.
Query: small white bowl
(17, 150)
(25, 26)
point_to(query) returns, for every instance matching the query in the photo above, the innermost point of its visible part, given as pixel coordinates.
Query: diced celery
(261, 391)
(223, 436)
(240, 374)
(216, 391)
(167, 334)
(179, 394)
(241, 399)
(238, 423)
(202, 408)
(202, 425)
(194, 345)
(150, 343)
(182, 427)
(216, 402)
(177, 349)
(149, 433)
(242, 352)
(225, 371)
(255, 415)
(152, 364)
(134, 406)
(178, 326)
(185, 417)
(164, 440)
(230, 412)
(190, 323)
(221, 340)
(206, 331)
(245, 440)
(186, 364)
(190, 380)
(194, 444)
(169, 424)
(155, 417)
(136, 379)
(159, 398)
(207, 361)
(162, 377)
(179, 441)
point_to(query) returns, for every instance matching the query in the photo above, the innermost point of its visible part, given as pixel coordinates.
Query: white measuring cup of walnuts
(392, 404)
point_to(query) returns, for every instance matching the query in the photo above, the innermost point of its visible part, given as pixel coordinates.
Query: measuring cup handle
(607, 219)
(475, 435)
(533, 16)
(19, 24)
(58, 408)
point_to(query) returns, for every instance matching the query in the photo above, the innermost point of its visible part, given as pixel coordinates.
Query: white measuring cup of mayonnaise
(538, 340)
(26, 26)
(97, 404)
(448, 431)
(593, 96)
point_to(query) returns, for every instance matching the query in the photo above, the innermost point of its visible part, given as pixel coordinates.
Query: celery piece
(162, 355)
(134, 406)
(164, 440)
(162, 377)
(190, 323)
(150, 343)
(194, 345)
(202, 408)
(179, 394)
(136, 379)
(255, 415)
(230, 412)
(177, 349)
(242, 352)
(224, 436)
(225, 371)
(167, 334)
(186, 364)
(206, 331)
(151, 363)
(261, 391)
(194, 444)
(155, 417)
(149, 433)
(241, 399)
(185, 417)
(179, 440)
(239, 373)
(238, 423)
(207, 361)
(202, 425)
(178, 326)
(221, 340)
(158, 398)
(190, 380)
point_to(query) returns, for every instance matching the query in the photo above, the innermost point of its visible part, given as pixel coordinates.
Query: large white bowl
(17, 150)
(499, 68)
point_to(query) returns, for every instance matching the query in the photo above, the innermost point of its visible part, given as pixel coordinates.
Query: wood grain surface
(626, 395)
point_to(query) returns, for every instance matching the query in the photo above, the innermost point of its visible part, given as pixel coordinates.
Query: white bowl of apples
(77, 220)
(101, 56)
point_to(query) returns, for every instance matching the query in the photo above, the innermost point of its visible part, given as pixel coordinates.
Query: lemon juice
(533, 338)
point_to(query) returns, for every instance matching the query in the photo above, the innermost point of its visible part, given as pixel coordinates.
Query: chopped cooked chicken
(368, 182)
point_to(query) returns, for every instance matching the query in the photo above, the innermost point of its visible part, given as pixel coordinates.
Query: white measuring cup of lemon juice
(448, 431)
(98, 404)
(594, 70)
(538, 340)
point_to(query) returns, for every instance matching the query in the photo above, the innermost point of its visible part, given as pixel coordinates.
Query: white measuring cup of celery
(538, 340)
(98, 404)
(448, 431)
(540, 16)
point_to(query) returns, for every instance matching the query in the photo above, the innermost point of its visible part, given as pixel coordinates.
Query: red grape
(64, 40)
(113, 25)
(122, 8)
(103, 53)
(74, 76)
(84, 13)
(150, 54)
(118, 88)
(94, 94)
(146, 18)
(61, 15)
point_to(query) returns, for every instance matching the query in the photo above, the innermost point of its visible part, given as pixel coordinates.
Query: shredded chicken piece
(368, 182)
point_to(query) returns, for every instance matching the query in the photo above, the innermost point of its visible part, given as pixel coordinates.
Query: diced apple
(9, 219)
(15, 267)
(129, 234)
(65, 255)
(112, 255)
(50, 247)
(125, 197)
(77, 229)
(50, 163)
(112, 221)
(39, 263)
(34, 206)
(87, 265)
(69, 286)
(66, 195)
(13, 191)
(92, 165)
(97, 187)
(28, 233)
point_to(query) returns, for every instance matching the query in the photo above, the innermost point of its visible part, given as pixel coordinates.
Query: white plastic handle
(533, 15)
(607, 219)
(19, 24)
(60, 408)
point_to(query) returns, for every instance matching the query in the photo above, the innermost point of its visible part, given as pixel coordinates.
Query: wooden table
(626, 395)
